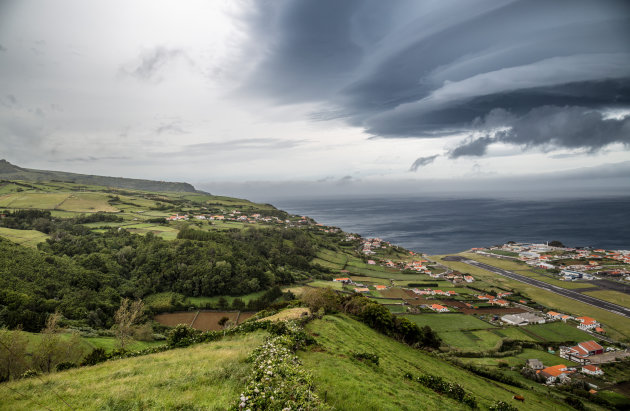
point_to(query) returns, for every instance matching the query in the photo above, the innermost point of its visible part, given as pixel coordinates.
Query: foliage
(125, 318)
(279, 381)
(441, 386)
(366, 356)
(502, 406)
(12, 353)
(96, 356)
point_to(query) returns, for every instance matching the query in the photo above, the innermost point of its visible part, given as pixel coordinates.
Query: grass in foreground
(346, 383)
(29, 238)
(206, 376)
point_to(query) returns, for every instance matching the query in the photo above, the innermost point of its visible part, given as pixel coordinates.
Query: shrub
(65, 366)
(502, 406)
(181, 336)
(366, 356)
(96, 356)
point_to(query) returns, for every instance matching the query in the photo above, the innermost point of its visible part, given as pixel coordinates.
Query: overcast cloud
(342, 92)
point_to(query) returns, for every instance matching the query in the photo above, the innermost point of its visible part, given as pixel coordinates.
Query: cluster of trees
(85, 274)
(375, 315)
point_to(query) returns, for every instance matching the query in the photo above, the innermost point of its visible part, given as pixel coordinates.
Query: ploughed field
(202, 320)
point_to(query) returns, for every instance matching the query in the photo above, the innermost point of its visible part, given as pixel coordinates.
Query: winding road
(605, 305)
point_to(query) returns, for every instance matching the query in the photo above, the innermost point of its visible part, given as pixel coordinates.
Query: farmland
(202, 320)
(29, 238)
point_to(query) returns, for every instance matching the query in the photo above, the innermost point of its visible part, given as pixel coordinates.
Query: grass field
(479, 340)
(514, 333)
(29, 238)
(520, 359)
(87, 203)
(617, 326)
(347, 383)
(558, 331)
(326, 284)
(442, 322)
(202, 301)
(206, 376)
(89, 343)
(612, 296)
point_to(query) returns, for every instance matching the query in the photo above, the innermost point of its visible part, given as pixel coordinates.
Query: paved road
(613, 308)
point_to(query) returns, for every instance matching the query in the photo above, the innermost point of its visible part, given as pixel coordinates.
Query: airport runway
(613, 308)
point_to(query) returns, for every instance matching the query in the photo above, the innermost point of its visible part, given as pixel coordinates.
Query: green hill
(212, 375)
(12, 172)
(205, 376)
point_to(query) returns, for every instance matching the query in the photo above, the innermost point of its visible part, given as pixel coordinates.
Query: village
(473, 318)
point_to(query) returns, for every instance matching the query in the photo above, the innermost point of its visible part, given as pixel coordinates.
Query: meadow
(205, 376)
(29, 238)
(383, 386)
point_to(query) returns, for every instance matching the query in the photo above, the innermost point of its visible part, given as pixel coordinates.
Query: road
(613, 308)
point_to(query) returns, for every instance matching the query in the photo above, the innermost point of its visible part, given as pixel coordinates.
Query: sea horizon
(442, 225)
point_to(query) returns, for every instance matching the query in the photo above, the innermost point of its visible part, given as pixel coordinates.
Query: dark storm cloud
(549, 126)
(2, 48)
(422, 161)
(428, 69)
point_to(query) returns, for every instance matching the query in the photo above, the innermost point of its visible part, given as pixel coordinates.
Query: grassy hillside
(205, 376)
(346, 382)
(9, 171)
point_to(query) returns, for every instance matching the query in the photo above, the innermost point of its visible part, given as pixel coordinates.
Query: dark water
(438, 226)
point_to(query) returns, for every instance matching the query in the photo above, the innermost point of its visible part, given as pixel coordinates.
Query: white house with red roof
(438, 308)
(554, 373)
(592, 370)
(587, 323)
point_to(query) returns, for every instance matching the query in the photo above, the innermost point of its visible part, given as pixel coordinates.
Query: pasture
(29, 238)
(444, 322)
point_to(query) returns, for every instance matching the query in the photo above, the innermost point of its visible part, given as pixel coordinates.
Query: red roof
(592, 368)
(555, 371)
(590, 346)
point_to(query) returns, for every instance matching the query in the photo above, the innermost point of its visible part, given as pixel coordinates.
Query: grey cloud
(2, 48)
(92, 158)
(256, 144)
(152, 61)
(429, 69)
(422, 161)
(171, 127)
(549, 127)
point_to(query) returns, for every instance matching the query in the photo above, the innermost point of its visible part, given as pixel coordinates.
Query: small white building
(592, 370)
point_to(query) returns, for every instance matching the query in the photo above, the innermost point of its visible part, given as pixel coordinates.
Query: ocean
(440, 226)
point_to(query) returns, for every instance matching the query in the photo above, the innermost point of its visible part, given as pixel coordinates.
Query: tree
(12, 353)
(125, 318)
(222, 303)
(223, 321)
(49, 352)
(556, 243)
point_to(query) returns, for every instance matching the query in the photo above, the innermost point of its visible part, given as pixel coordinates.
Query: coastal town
(572, 346)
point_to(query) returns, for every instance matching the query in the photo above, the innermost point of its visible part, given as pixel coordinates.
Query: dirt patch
(173, 319)
(395, 293)
(209, 320)
(245, 316)
(416, 302)
(203, 321)
(608, 357)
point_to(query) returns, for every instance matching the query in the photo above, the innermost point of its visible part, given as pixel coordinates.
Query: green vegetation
(204, 376)
(29, 238)
(441, 322)
(557, 332)
(617, 326)
(346, 382)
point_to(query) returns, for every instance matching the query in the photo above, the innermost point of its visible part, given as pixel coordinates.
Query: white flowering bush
(279, 382)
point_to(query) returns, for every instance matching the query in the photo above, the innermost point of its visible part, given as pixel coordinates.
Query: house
(371, 262)
(554, 315)
(587, 323)
(469, 278)
(580, 353)
(361, 290)
(380, 287)
(600, 330)
(501, 303)
(592, 370)
(438, 308)
(554, 373)
(534, 364)
(342, 280)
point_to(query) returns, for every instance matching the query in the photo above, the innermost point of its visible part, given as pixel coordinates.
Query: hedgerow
(279, 382)
(441, 386)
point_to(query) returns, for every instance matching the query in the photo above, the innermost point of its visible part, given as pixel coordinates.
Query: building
(438, 308)
(580, 353)
(380, 287)
(587, 323)
(361, 290)
(592, 370)
(534, 364)
(342, 280)
(522, 319)
(556, 373)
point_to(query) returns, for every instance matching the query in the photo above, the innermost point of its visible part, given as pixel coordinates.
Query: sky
(266, 99)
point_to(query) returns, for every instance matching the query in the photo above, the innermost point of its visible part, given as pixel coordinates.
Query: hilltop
(12, 172)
